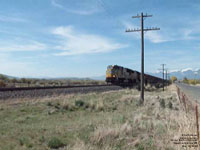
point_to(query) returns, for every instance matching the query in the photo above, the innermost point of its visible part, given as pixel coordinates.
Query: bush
(25, 141)
(2, 84)
(49, 104)
(192, 82)
(42, 139)
(55, 143)
(173, 79)
(185, 80)
(79, 103)
(162, 103)
(170, 105)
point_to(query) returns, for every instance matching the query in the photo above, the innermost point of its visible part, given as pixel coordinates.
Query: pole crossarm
(139, 16)
(138, 30)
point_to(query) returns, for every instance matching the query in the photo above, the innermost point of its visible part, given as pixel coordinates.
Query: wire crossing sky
(80, 38)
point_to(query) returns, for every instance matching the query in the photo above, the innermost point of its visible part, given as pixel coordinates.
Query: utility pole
(168, 74)
(163, 68)
(142, 16)
(166, 77)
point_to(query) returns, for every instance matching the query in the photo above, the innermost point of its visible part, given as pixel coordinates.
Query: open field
(95, 121)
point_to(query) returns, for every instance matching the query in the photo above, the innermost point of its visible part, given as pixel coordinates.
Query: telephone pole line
(166, 73)
(142, 16)
(163, 68)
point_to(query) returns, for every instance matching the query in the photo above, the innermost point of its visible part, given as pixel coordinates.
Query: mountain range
(180, 74)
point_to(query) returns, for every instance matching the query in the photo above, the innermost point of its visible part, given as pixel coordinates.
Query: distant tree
(185, 80)
(28, 81)
(3, 77)
(33, 81)
(173, 78)
(23, 80)
(198, 81)
(13, 81)
(2, 83)
(192, 82)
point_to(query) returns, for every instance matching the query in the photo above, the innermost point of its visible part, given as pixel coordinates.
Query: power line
(142, 16)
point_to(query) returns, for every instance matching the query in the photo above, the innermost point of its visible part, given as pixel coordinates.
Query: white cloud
(187, 34)
(82, 12)
(54, 3)
(192, 31)
(31, 46)
(155, 37)
(74, 43)
(78, 10)
(5, 18)
(186, 69)
(174, 70)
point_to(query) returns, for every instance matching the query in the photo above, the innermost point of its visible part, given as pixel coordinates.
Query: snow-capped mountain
(180, 74)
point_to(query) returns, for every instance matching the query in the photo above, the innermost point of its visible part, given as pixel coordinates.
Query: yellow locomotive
(119, 75)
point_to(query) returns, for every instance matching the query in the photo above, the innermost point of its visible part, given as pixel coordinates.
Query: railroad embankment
(110, 120)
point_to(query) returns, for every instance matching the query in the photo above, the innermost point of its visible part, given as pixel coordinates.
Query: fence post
(197, 121)
(185, 102)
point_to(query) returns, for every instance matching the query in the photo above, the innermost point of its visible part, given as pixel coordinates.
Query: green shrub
(66, 107)
(55, 143)
(162, 103)
(57, 106)
(185, 80)
(2, 84)
(49, 104)
(140, 147)
(25, 141)
(79, 103)
(42, 139)
(170, 105)
(21, 141)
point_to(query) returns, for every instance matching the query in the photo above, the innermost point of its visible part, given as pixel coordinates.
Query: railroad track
(49, 87)
(35, 92)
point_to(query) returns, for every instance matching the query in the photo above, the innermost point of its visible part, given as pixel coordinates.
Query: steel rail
(49, 87)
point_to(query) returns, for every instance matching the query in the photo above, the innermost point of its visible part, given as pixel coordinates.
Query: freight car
(119, 75)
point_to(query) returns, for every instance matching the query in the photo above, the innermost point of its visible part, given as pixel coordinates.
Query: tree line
(31, 82)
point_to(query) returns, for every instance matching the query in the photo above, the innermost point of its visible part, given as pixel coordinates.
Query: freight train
(119, 75)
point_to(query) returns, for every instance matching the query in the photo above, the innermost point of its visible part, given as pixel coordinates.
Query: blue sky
(68, 38)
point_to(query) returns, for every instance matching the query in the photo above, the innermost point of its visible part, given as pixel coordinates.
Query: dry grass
(110, 121)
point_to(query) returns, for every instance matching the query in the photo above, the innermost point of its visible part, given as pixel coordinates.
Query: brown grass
(109, 120)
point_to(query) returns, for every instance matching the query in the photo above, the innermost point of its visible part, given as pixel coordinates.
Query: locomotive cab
(110, 74)
(114, 74)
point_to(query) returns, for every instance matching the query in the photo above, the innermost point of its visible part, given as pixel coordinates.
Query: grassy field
(96, 121)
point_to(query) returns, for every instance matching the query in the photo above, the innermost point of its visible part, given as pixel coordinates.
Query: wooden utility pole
(166, 77)
(163, 68)
(142, 16)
